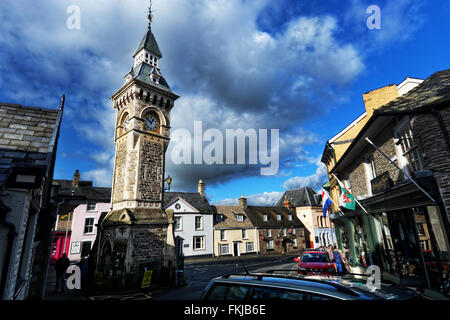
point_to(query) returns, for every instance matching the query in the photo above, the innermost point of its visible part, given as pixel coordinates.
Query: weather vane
(150, 15)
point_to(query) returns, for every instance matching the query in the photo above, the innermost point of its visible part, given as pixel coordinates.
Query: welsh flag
(347, 200)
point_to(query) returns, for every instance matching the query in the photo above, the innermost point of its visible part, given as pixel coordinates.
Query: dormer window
(240, 217)
(278, 217)
(265, 217)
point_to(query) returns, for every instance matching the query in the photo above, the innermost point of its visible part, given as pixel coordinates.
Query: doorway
(236, 251)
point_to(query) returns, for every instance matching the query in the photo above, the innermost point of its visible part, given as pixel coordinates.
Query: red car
(310, 262)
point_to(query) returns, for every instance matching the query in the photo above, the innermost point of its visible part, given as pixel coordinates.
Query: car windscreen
(315, 257)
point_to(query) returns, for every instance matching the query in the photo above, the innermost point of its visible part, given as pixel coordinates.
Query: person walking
(61, 268)
(338, 260)
(330, 252)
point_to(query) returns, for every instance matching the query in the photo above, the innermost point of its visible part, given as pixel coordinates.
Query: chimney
(243, 202)
(201, 187)
(287, 203)
(76, 178)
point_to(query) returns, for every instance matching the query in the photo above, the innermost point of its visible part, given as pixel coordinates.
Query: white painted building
(193, 221)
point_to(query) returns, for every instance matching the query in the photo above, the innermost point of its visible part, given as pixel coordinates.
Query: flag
(326, 201)
(347, 200)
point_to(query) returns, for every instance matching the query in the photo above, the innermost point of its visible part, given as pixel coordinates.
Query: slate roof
(256, 216)
(434, 91)
(28, 136)
(303, 197)
(229, 217)
(84, 191)
(193, 198)
(143, 71)
(149, 42)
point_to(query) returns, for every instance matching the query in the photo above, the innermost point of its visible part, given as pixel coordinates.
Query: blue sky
(297, 66)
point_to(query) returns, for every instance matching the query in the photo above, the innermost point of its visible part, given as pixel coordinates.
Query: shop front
(411, 235)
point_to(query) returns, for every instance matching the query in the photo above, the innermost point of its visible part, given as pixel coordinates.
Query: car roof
(289, 282)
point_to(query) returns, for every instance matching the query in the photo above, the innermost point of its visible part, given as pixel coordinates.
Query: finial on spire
(150, 15)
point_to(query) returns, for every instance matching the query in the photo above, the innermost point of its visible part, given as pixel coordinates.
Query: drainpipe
(11, 236)
(50, 255)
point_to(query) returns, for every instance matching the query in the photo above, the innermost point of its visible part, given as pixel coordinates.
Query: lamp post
(168, 180)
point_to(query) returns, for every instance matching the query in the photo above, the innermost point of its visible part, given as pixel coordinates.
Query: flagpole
(340, 182)
(405, 173)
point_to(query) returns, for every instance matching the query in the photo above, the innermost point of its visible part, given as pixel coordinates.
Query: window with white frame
(199, 242)
(269, 233)
(244, 233)
(410, 155)
(198, 223)
(250, 247)
(240, 217)
(178, 226)
(223, 235)
(91, 207)
(265, 218)
(219, 217)
(89, 225)
(270, 245)
(224, 249)
(278, 217)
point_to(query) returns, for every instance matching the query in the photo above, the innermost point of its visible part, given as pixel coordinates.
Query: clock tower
(137, 228)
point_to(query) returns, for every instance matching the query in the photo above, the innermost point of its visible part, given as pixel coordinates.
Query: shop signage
(381, 183)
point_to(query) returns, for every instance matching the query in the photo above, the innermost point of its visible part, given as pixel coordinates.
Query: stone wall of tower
(151, 172)
(148, 242)
(120, 169)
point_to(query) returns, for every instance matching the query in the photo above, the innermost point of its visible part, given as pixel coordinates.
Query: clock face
(126, 124)
(151, 122)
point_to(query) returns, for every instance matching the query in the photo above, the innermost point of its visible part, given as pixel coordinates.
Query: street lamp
(169, 181)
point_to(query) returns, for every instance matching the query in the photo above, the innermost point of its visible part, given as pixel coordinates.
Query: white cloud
(259, 199)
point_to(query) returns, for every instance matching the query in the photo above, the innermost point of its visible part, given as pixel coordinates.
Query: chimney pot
(76, 178)
(201, 187)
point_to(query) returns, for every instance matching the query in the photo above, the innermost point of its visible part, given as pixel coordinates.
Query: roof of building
(434, 91)
(196, 200)
(149, 42)
(303, 197)
(143, 71)
(85, 191)
(229, 217)
(28, 136)
(256, 216)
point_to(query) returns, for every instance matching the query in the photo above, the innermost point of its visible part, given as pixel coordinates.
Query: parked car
(314, 262)
(283, 287)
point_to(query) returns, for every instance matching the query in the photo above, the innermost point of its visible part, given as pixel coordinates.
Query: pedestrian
(61, 268)
(330, 252)
(338, 260)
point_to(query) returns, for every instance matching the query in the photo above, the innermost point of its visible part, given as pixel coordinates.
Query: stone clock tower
(137, 229)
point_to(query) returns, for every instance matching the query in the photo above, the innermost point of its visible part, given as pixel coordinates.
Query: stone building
(413, 132)
(28, 143)
(306, 204)
(137, 229)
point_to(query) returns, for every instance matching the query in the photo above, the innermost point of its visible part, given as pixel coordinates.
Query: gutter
(11, 236)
